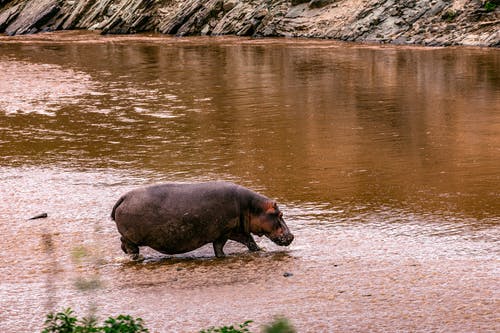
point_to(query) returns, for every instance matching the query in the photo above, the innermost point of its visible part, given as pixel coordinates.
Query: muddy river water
(385, 161)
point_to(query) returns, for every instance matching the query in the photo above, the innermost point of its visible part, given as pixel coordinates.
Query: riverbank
(424, 22)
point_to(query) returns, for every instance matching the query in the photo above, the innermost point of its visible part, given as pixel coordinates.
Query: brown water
(385, 161)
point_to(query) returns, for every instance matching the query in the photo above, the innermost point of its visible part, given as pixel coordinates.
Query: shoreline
(96, 37)
(423, 23)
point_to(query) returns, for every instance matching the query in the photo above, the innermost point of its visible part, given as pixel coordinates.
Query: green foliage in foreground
(67, 322)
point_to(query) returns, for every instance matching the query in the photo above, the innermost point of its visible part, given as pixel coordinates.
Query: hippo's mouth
(283, 240)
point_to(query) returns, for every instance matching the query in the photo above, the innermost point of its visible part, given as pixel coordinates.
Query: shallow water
(383, 159)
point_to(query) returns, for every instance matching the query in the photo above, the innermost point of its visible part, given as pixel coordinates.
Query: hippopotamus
(175, 218)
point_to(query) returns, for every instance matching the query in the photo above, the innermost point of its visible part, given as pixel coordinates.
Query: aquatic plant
(67, 322)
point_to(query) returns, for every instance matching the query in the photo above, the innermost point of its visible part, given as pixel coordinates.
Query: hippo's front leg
(218, 246)
(245, 239)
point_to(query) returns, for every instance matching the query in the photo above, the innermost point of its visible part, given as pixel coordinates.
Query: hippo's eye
(274, 213)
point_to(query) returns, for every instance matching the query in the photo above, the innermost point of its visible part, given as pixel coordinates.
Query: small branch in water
(39, 216)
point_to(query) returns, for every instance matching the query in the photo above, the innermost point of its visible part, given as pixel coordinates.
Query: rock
(9, 15)
(319, 3)
(88, 14)
(298, 2)
(32, 16)
(39, 216)
(287, 274)
(228, 5)
(206, 30)
(428, 22)
(196, 22)
(172, 23)
(243, 20)
(131, 17)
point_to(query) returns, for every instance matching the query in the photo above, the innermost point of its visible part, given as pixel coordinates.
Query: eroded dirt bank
(425, 22)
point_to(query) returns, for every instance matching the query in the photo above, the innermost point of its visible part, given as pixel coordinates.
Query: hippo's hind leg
(130, 248)
(218, 246)
(245, 239)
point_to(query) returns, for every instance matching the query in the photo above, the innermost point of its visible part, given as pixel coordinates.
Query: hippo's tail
(118, 203)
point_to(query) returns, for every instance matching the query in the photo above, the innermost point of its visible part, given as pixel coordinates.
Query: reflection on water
(384, 160)
(317, 122)
(41, 89)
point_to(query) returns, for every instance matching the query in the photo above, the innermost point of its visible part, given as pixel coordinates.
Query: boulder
(31, 17)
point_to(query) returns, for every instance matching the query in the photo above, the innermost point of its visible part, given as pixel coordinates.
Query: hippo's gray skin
(177, 218)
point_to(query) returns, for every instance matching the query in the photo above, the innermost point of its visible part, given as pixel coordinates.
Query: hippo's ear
(271, 207)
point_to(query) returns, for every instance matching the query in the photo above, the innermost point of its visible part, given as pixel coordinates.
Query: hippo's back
(177, 217)
(183, 196)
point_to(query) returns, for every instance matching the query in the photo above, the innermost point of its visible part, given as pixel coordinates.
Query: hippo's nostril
(284, 240)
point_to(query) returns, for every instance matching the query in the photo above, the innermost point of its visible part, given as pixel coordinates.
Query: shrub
(61, 322)
(279, 325)
(490, 6)
(449, 15)
(66, 322)
(123, 324)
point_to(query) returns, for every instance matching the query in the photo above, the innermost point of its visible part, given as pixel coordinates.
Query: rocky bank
(424, 22)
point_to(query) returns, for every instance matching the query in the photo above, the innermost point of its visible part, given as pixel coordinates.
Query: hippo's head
(268, 221)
